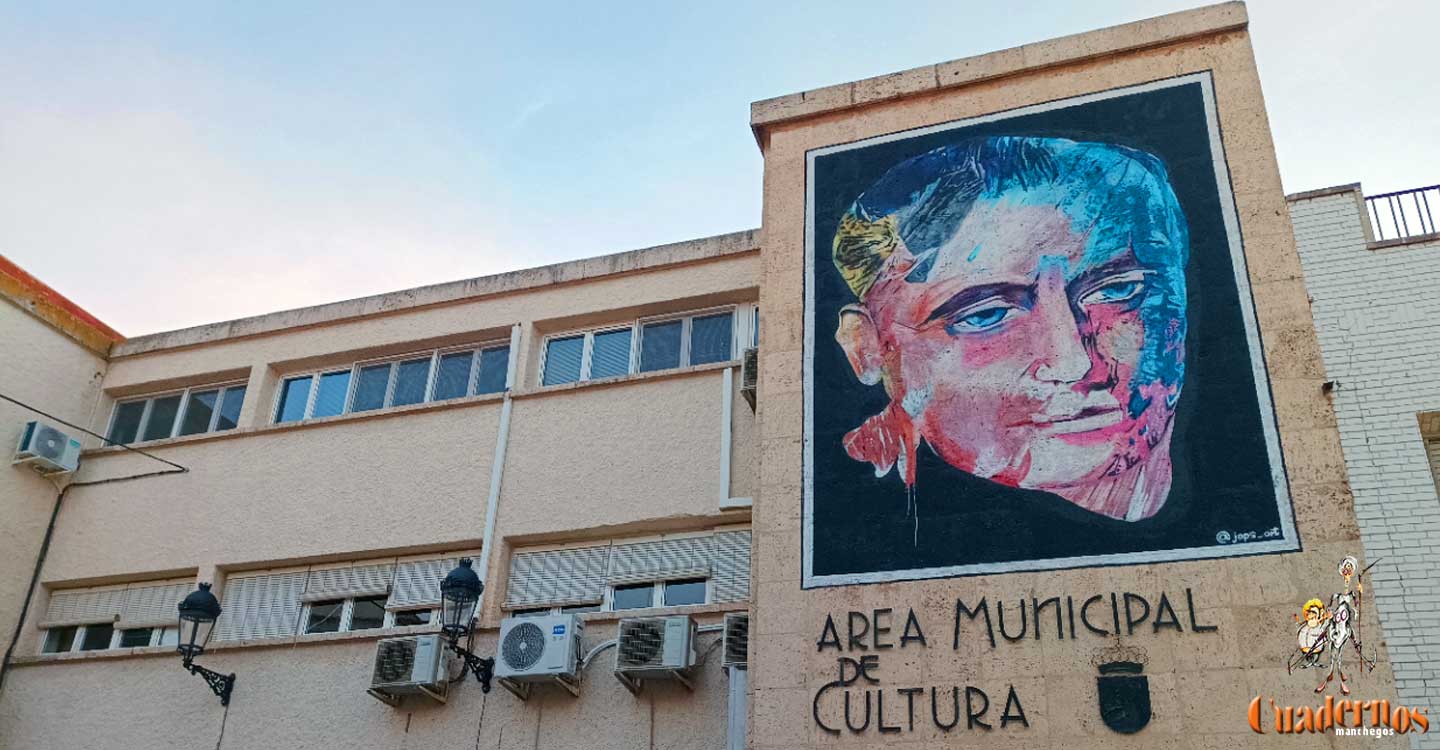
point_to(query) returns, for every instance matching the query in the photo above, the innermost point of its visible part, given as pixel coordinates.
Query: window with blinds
(108, 617)
(361, 595)
(621, 574)
(648, 345)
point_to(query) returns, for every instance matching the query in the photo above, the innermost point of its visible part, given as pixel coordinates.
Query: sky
(173, 164)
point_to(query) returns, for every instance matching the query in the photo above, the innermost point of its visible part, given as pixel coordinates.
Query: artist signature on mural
(1225, 536)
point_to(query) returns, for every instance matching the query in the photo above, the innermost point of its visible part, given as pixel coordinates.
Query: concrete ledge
(1353, 187)
(690, 251)
(1152, 32)
(1419, 239)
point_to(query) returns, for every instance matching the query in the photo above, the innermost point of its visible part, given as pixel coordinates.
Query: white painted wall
(1378, 316)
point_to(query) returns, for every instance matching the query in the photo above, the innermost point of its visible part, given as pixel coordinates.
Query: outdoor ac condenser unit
(750, 375)
(655, 647)
(539, 649)
(737, 640)
(47, 450)
(414, 665)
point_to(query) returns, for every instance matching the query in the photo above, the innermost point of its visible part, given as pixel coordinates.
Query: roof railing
(1404, 213)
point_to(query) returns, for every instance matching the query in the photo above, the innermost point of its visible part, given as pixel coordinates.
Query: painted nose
(1063, 356)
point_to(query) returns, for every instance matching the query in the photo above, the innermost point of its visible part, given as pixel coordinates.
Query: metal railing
(1404, 213)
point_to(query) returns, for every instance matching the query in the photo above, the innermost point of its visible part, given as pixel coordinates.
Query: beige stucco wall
(1201, 682)
(43, 367)
(637, 455)
(313, 696)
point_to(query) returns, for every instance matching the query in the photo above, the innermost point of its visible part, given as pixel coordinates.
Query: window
(648, 345)
(360, 613)
(325, 617)
(635, 596)
(109, 617)
(59, 640)
(367, 613)
(330, 394)
(671, 571)
(105, 636)
(563, 360)
(412, 617)
(334, 598)
(680, 593)
(427, 376)
(192, 411)
(97, 636)
(134, 637)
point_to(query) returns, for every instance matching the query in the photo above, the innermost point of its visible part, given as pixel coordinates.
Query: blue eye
(1115, 291)
(980, 320)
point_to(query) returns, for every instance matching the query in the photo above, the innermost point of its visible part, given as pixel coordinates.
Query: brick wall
(1377, 313)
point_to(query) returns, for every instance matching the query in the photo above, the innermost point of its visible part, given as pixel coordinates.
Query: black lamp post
(459, 593)
(198, 613)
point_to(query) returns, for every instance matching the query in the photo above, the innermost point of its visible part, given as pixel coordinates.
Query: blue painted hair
(923, 200)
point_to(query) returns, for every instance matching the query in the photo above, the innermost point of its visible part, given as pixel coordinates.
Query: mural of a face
(1022, 300)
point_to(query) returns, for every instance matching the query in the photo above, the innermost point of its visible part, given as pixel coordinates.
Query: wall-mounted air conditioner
(655, 647)
(737, 640)
(750, 375)
(47, 450)
(413, 665)
(539, 649)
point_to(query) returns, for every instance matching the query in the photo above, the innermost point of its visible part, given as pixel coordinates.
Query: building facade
(1372, 274)
(1041, 453)
(342, 458)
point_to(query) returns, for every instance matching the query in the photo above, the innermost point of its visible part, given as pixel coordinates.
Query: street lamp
(459, 593)
(198, 613)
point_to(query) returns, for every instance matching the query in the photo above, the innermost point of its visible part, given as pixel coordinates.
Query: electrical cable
(91, 433)
(55, 514)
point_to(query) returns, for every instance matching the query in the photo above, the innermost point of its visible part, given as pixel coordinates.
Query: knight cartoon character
(1328, 628)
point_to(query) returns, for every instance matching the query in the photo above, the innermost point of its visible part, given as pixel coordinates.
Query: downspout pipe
(34, 581)
(497, 467)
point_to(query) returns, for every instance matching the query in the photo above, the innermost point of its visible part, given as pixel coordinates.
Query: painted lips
(1085, 420)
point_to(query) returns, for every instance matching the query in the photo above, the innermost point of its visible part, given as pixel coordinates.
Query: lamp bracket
(482, 667)
(220, 684)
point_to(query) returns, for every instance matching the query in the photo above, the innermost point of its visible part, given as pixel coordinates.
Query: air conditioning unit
(414, 665)
(47, 450)
(750, 374)
(737, 640)
(539, 649)
(655, 647)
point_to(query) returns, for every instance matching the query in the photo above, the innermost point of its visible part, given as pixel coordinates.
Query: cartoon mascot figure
(1311, 635)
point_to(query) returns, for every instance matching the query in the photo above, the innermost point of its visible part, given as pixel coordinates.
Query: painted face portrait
(1022, 302)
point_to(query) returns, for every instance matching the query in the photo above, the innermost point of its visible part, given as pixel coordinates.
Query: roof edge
(55, 309)
(1151, 32)
(688, 251)
(1353, 187)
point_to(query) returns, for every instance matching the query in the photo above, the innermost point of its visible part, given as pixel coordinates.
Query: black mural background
(1222, 479)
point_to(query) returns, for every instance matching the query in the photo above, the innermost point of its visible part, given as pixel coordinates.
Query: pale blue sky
(173, 164)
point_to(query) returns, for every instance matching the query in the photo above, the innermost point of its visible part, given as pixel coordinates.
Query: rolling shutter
(557, 577)
(83, 607)
(260, 606)
(731, 571)
(343, 583)
(154, 605)
(665, 559)
(417, 583)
